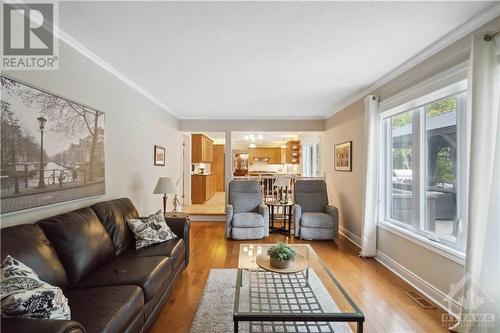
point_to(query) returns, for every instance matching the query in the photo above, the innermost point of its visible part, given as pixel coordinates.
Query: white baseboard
(350, 236)
(431, 292)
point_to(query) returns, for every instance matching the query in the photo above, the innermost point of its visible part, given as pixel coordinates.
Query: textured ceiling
(258, 59)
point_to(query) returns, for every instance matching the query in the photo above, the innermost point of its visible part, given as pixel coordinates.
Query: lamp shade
(281, 181)
(164, 185)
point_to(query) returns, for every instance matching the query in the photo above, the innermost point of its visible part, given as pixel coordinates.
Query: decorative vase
(280, 264)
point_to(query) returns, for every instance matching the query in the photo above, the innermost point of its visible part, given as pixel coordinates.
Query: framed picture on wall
(52, 148)
(343, 156)
(159, 156)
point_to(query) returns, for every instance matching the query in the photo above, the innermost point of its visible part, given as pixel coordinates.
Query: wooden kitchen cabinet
(293, 152)
(201, 149)
(202, 188)
(217, 166)
(269, 155)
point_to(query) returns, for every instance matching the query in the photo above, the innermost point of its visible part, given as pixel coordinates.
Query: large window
(423, 164)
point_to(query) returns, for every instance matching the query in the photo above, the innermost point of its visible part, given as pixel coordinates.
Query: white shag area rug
(215, 311)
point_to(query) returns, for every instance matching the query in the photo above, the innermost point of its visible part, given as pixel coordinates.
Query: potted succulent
(281, 255)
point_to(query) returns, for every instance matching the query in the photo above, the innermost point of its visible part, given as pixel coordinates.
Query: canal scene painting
(52, 148)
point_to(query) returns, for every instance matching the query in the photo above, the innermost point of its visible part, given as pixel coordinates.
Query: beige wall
(345, 189)
(133, 125)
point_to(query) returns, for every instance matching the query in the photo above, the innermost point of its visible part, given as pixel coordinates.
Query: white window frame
(412, 100)
(312, 157)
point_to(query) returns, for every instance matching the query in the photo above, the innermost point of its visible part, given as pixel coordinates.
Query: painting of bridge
(52, 149)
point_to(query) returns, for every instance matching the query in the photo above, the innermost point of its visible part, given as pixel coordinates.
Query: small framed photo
(343, 156)
(159, 156)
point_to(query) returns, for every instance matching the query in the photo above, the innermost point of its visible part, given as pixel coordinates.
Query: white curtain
(481, 293)
(370, 190)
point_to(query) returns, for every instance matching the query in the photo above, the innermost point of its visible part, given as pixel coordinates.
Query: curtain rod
(488, 37)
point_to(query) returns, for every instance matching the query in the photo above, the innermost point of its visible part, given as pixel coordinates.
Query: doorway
(206, 171)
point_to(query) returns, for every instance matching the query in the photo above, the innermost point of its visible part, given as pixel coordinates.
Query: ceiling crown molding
(463, 30)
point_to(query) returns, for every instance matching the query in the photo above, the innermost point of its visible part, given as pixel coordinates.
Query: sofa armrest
(334, 213)
(181, 227)
(229, 219)
(26, 325)
(297, 215)
(264, 211)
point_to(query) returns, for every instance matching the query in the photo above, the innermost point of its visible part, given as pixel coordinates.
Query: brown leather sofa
(90, 253)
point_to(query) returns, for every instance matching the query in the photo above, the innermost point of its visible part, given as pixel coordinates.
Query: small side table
(287, 216)
(178, 214)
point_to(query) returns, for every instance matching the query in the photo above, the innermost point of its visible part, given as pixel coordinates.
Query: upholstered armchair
(314, 218)
(246, 215)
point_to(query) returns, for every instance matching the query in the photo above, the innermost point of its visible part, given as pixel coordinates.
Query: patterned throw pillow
(150, 230)
(23, 294)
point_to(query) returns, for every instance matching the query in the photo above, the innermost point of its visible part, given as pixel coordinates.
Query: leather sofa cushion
(247, 220)
(149, 273)
(316, 220)
(28, 243)
(27, 325)
(175, 249)
(106, 309)
(80, 240)
(113, 215)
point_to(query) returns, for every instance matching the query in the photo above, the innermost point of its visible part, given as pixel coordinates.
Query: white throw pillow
(150, 230)
(24, 295)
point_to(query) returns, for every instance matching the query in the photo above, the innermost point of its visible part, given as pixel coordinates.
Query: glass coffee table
(308, 301)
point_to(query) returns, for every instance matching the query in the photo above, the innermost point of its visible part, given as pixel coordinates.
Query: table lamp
(280, 182)
(163, 186)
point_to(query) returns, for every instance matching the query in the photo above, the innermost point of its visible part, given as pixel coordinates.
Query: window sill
(435, 247)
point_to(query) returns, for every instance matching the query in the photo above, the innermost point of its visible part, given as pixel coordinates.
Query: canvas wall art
(52, 148)
(343, 156)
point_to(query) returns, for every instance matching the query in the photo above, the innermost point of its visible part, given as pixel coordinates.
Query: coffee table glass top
(313, 295)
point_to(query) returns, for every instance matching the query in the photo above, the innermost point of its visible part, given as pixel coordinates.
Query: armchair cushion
(333, 212)
(264, 211)
(245, 202)
(297, 214)
(316, 220)
(311, 195)
(245, 196)
(248, 220)
(229, 219)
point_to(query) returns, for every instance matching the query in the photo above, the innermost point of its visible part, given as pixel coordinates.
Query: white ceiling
(258, 59)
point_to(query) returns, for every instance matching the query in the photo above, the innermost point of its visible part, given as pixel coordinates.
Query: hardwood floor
(377, 291)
